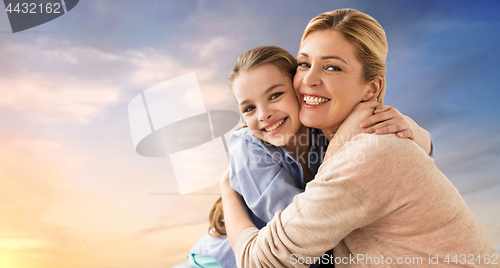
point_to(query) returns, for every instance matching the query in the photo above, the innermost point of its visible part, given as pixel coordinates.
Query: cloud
(58, 81)
(75, 205)
(47, 221)
(484, 204)
(52, 81)
(470, 158)
(28, 190)
(44, 98)
(216, 46)
(187, 210)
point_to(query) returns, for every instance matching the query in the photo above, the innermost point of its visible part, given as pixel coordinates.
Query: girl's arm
(387, 119)
(350, 126)
(236, 218)
(381, 119)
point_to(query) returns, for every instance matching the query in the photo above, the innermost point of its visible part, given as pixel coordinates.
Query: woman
(375, 198)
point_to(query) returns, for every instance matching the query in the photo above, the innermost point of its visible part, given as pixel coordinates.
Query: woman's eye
(275, 95)
(333, 68)
(248, 109)
(304, 64)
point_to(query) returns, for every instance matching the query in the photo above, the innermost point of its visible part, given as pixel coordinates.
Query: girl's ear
(374, 88)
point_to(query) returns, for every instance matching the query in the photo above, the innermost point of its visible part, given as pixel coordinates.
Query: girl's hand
(350, 126)
(387, 120)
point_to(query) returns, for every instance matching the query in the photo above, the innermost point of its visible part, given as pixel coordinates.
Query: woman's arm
(352, 189)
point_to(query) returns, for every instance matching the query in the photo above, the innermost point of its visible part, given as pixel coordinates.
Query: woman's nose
(311, 78)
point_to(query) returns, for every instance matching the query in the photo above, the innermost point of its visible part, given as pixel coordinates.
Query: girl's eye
(275, 95)
(333, 68)
(248, 109)
(304, 64)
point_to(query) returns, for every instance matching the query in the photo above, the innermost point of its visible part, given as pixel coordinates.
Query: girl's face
(268, 103)
(328, 81)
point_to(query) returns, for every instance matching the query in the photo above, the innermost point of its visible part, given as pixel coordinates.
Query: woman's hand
(236, 217)
(388, 120)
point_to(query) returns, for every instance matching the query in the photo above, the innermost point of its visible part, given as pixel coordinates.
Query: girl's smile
(275, 126)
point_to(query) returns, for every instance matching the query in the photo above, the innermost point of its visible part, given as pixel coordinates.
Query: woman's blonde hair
(249, 60)
(364, 32)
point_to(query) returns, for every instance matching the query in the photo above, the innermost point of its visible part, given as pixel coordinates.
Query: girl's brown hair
(259, 56)
(249, 60)
(216, 218)
(364, 32)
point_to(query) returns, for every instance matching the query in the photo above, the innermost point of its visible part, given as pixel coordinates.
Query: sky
(73, 191)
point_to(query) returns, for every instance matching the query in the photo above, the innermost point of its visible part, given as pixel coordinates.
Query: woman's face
(328, 81)
(268, 103)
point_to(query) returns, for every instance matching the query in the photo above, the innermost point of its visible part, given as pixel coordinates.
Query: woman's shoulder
(388, 144)
(369, 152)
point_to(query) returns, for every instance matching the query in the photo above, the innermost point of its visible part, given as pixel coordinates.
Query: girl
(274, 156)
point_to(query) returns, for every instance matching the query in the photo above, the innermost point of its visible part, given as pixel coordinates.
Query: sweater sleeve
(354, 188)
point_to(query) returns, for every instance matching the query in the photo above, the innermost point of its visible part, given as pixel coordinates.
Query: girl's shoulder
(245, 148)
(243, 140)
(246, 134)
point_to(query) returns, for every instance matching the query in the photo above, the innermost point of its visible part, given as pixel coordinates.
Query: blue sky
(66, 85)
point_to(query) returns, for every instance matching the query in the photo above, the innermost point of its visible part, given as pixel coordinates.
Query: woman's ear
(374, 88)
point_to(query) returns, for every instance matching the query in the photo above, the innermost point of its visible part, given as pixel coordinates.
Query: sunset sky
(73, 191)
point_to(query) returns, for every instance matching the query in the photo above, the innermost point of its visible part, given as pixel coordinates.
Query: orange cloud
(47, 223)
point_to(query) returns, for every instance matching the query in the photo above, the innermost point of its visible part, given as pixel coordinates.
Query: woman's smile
(313, 101)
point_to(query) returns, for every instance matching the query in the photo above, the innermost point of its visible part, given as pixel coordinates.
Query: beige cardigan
(380, 198)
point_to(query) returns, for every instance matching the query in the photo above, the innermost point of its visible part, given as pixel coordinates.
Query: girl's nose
(265, 115)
